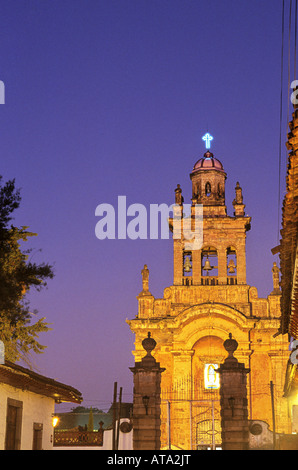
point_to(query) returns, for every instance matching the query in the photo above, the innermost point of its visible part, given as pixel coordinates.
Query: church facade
(210, 299)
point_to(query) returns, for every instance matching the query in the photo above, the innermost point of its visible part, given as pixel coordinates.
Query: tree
(83, 409)
(18, 275)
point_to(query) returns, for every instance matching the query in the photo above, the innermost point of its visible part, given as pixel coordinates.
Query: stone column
(233, 400)
(222, 265)
(146, 400)
(241, 261)
(196, 267)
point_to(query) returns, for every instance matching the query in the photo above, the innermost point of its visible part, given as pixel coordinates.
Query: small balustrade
(187, 280)
(209, 281)
(78, 438)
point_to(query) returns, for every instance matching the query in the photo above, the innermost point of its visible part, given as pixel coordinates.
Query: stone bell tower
(222, 258)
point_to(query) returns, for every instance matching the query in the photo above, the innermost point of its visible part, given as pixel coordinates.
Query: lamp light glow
(55, 421)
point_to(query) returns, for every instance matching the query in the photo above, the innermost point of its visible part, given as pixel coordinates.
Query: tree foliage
(17, 276)
(84, 409)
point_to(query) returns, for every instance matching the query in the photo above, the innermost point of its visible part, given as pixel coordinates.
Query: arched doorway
(209, 353)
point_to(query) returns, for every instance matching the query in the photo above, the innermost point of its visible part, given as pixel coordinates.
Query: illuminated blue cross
(207, 137)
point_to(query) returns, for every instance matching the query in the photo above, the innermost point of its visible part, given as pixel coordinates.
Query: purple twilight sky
(112, 97)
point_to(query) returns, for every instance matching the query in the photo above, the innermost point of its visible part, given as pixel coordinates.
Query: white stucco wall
(36, 409)
(125, 439)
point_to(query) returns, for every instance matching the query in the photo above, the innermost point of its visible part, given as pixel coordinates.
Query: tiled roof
(20, 377)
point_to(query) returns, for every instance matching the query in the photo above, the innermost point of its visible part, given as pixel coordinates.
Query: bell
(231, 267)
(207, 266)
(187, 265)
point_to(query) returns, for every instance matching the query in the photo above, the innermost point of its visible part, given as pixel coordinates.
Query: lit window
(211, 377)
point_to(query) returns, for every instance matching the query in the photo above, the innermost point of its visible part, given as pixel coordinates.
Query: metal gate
(191, 416)
(207, 425)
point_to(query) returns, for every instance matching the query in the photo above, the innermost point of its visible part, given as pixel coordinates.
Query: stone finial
(239, 196)
(230, 346)
(178, 195)
(238, 201)
(149, 344)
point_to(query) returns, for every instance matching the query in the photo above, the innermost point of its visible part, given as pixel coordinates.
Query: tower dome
(208, 162)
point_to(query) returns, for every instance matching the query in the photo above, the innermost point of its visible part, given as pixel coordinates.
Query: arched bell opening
(187, 268)
(209, 266)
(231, 265)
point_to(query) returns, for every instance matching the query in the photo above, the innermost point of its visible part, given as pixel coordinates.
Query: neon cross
(207, 137)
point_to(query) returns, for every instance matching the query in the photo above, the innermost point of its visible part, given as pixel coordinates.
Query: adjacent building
(27, 407)
(289, 266)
